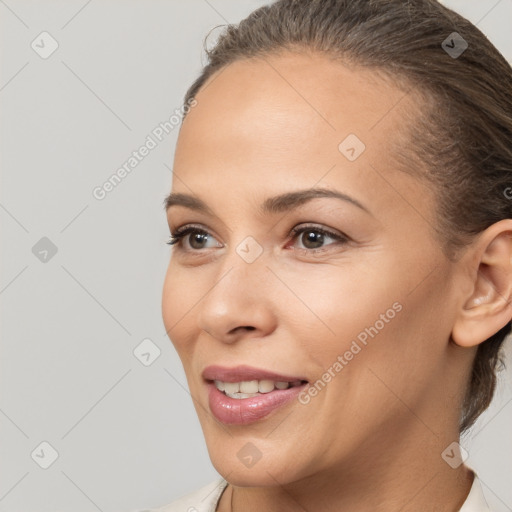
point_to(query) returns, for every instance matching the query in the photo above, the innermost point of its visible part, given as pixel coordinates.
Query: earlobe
(489, 307)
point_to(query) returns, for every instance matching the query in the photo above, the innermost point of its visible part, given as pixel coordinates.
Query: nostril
(248, 327)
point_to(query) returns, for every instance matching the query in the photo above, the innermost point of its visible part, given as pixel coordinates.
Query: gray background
(126, 434)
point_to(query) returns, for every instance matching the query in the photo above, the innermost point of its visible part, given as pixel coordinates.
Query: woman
(340, 281)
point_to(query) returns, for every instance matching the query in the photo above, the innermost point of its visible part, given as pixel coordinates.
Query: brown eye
(314, 238)
(196, 241)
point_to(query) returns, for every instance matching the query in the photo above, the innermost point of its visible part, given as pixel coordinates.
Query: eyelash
(181, 232)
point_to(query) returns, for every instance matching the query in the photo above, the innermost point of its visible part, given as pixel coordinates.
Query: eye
(315, 241)
(196, 242)
(316, 238)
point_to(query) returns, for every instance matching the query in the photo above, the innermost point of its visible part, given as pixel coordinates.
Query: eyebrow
(271, 205)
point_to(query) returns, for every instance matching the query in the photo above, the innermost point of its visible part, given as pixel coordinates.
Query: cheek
(369, 321)
(345, 305)
(179, 297)
(388, 349)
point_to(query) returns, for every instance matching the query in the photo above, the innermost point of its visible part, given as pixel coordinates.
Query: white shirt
(207, 498)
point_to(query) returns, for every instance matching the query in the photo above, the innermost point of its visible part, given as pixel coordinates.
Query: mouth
(243, 395)
(252, 388)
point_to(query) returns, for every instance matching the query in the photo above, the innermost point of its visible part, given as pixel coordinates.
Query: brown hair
(463, 134)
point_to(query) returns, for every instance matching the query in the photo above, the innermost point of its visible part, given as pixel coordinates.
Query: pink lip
(233, 411)
(244, 372)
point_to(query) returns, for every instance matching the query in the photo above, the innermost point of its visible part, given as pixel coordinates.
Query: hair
(463, 133)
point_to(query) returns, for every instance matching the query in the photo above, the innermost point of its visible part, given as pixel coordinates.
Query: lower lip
(234, 411)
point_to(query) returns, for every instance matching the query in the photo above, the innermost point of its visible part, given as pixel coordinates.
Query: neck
(406, 473)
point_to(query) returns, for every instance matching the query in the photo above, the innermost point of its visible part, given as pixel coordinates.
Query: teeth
(232, 387)
(265, 386)
(243, 395)
(250, 388)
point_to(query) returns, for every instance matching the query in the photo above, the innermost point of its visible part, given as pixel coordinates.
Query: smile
(252, 388)
(243, 395)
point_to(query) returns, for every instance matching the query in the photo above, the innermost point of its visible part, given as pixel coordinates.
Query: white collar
(475, 502)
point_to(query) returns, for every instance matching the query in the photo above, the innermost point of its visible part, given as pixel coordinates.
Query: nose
(240, 302)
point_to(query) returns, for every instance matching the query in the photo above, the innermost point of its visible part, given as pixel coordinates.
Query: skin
(372, 438)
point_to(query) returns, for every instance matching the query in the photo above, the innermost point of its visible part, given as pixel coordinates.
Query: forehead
(276, 123)
(294, 97)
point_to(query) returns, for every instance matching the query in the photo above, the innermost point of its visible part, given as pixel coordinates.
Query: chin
(260, 475)
(251, 462)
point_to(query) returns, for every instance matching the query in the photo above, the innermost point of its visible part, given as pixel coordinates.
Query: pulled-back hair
(462, 136)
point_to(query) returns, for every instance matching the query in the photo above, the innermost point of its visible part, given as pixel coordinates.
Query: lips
(236, 395)
(245, 373)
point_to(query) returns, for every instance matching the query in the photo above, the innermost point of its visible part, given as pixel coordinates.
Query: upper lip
(245, 373)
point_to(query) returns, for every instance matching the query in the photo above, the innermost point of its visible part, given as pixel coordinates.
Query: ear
(488, 308)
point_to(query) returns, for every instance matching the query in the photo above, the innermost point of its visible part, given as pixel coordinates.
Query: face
(345, 300)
